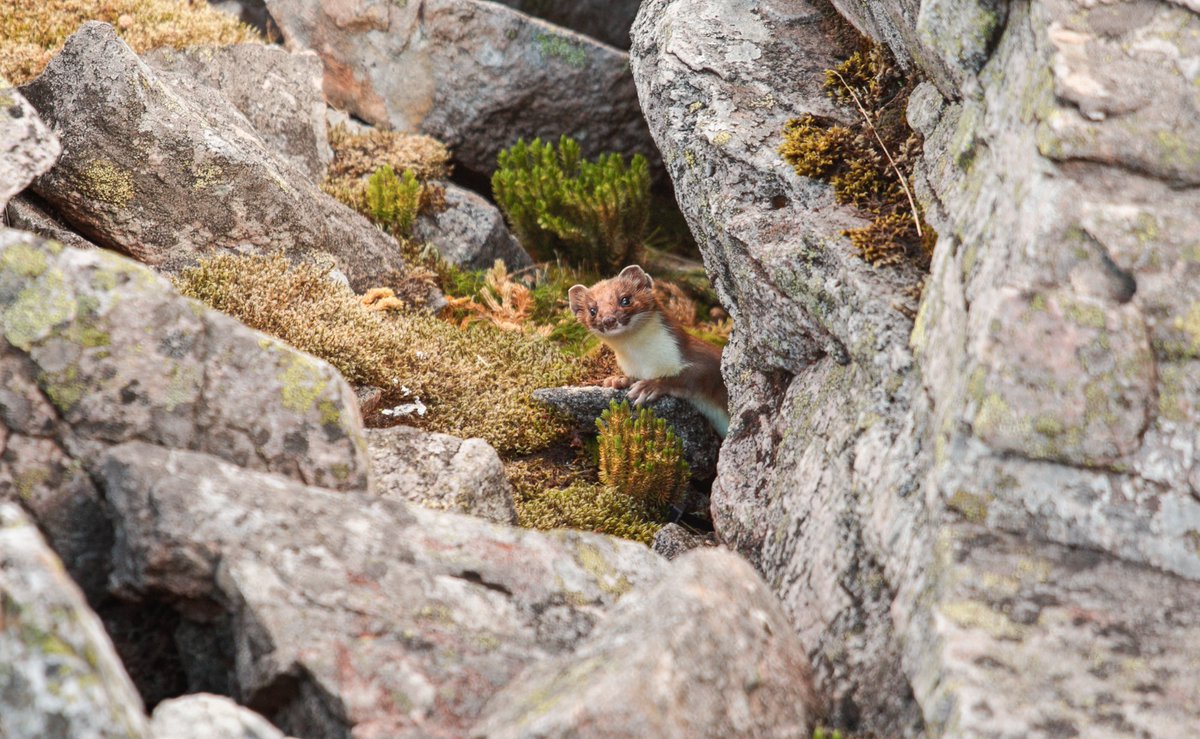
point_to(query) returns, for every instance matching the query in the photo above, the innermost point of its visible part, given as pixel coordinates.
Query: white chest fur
(648, 352)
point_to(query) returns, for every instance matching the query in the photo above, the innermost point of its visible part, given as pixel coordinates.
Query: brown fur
(699, 376)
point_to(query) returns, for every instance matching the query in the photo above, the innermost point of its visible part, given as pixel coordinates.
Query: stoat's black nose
(608, 323)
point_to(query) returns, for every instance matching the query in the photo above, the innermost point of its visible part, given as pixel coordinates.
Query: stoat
(657, 356)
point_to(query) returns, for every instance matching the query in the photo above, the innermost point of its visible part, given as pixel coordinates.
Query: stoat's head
(615, 306)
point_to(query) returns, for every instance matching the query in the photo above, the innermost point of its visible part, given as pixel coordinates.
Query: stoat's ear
(575, 297)
(635, 274)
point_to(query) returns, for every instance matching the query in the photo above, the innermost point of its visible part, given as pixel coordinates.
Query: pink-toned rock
(476, 75)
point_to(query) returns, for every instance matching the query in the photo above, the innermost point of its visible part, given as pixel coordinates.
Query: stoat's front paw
(645, 391)
(617, 381)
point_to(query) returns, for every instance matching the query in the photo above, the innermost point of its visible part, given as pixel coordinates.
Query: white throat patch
(648, 352)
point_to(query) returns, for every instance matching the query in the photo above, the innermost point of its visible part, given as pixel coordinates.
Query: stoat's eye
(625, 301)
(592, 311)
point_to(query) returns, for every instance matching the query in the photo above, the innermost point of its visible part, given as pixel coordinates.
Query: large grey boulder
(973, 519)
(441, 472)
(27, 145)
(356, 614)
(204, 716)
(60, 676)
(475, 75)
(603, 20)
(279, 93)
(705, 653)
(470, 232)
(168, 175)
(99, 350)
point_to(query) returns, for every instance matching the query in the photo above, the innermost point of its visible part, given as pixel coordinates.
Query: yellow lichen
(106, 182)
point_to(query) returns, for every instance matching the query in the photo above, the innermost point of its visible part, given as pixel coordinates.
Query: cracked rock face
(169, 172)
(476, 75)
(60, 676)
(921, 494)
(368, 618)
(99, 350)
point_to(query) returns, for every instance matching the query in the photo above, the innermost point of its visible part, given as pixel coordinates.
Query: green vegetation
(869, 164)
(641, 457)
(394, 200)
(473, 382)
(33, 31)
(594, 215)
(590, 507)
(363, 176)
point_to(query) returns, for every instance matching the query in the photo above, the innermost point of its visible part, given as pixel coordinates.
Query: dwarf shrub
(590, 214)
(641, 457)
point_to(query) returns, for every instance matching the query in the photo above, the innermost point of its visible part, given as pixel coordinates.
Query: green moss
(590, 214)
(63, 388)
(104, 181)
(853, 161)
(552, 46)
(589, 507)
(475, 382)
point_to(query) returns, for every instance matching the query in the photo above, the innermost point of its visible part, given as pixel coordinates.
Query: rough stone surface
(197, 180)
(470, 232)
(706, 652)
(476, 75)
(60, 676)
(354, 614)
(203, 716)
(99, 350)
(279, 93)
(441, 472)
(27, 212)
(603, 20)
(673, 540)
(27, 145)
(968, 517)
(584, 405)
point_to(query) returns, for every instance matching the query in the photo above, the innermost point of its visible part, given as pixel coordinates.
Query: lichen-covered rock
(475, 75)
(204, 716)
(278, 92)
(59, 675)
(168, 175)
(355, 614)
(674, 540)
(99, 350)
(705, 652)
(441, 472)
(583, 405)
(470, 232)
(27, 145)
(918, 494)
(603, 20)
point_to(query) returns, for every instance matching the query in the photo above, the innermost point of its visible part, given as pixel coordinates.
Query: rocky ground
(959, 498)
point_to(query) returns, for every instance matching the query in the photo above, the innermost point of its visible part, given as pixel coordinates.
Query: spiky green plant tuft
(641, 457)
(590, 214)
(394, 199)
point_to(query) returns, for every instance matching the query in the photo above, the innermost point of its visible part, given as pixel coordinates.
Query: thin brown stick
(903, 183)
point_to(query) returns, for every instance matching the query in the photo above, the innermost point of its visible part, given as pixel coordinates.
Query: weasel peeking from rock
(657, 356)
